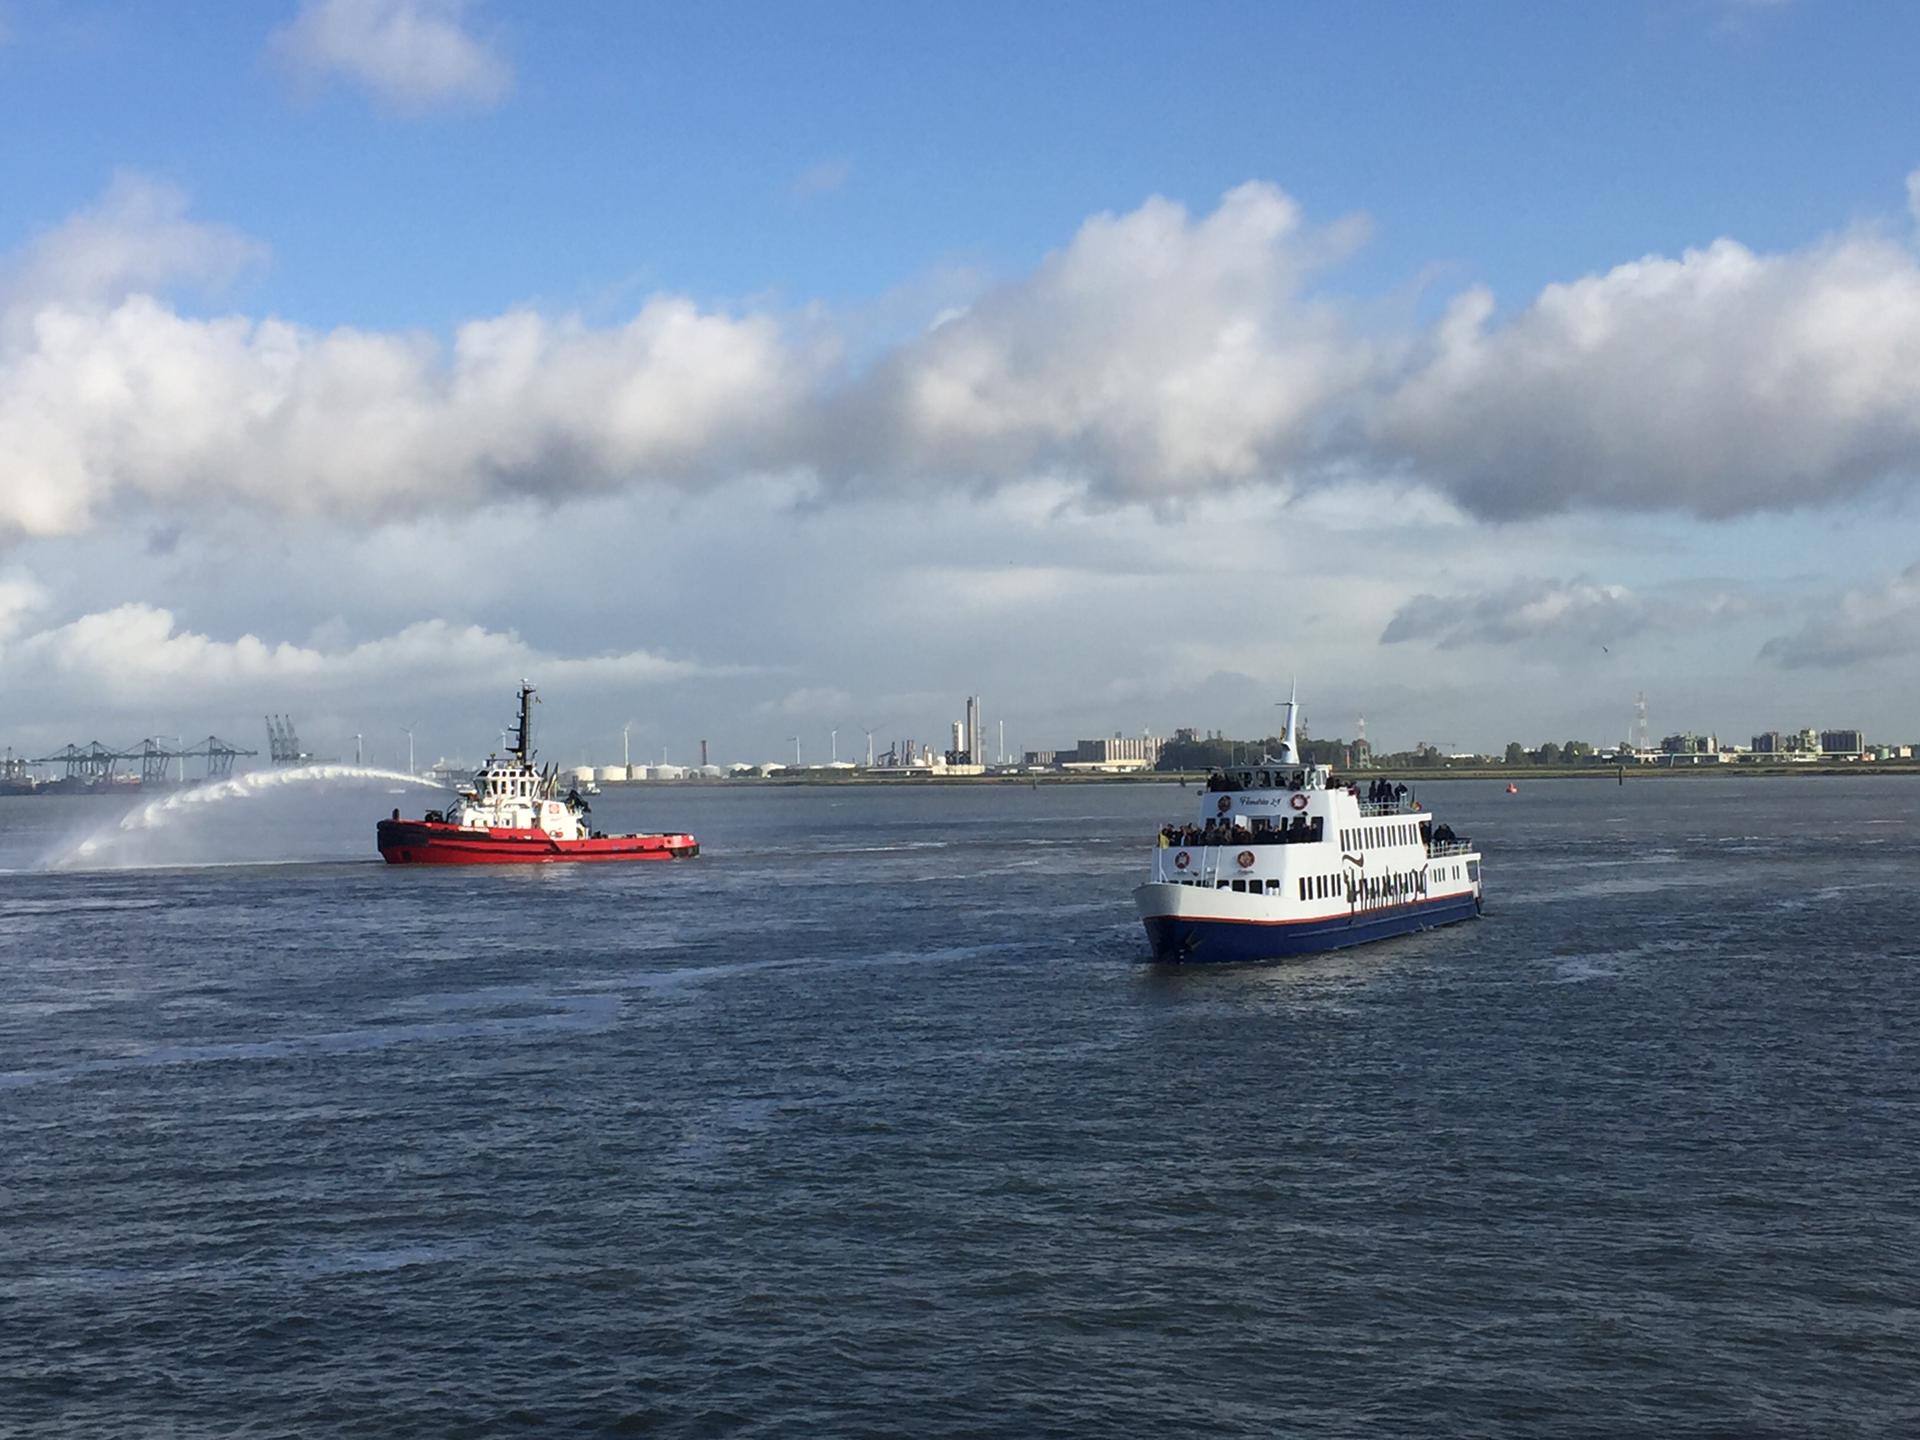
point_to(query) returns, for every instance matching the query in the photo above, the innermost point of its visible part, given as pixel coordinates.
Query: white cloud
(1559, 613)
(1157, 354)
(136, 650)
(136, 237)
(138, 402)
(1572, 618)
(1160, 356)
(413, 55)
(1875, 622)
(1722, 382)
(21, 596)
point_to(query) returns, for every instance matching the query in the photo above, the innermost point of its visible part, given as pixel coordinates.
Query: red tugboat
(510, 816)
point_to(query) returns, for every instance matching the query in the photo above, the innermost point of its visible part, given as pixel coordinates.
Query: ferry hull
(1212, 939)
(421, 842)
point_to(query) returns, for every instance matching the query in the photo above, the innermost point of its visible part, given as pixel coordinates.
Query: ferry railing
(1390, 807)
(1450, 847)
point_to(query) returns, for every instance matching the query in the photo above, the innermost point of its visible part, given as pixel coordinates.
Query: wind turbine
(358, 754)
(796, 750)
(833, 747)
(407, 730)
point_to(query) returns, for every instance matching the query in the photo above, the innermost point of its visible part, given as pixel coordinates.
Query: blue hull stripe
(1188, 938)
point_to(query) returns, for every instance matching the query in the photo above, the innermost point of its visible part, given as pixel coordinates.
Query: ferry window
(1241, 886)
(1303, 887)
(1221, 886)
(1273, 887)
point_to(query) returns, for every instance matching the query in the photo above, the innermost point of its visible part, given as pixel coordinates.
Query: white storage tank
(666, 772)
(582, 775)
(611, 774)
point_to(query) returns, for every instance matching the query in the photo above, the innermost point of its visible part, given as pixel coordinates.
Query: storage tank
(665, 772)
(611, 774)
(582, 775)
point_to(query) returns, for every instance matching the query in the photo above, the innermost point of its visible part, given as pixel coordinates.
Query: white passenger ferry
(1283, 862)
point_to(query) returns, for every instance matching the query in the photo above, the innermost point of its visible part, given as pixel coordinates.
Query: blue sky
(895, 352)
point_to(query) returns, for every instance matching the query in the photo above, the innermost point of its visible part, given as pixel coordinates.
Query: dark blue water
(873, 1122)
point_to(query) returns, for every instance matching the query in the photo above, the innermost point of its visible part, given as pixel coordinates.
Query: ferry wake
(510, 814)
(1283, 862)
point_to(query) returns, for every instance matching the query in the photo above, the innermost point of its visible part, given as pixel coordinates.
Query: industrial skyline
(966, 753)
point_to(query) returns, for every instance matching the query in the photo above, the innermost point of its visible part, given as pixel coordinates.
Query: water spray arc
(98, 849)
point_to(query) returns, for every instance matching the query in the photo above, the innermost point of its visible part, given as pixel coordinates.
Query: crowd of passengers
(1225, 782)
(1300, 831)
(1385, 792)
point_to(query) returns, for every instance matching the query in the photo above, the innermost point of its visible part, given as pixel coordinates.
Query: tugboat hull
(424, 842)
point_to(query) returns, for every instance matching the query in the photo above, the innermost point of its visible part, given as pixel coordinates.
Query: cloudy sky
(744, 373)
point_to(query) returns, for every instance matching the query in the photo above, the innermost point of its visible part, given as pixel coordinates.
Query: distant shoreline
(1192, 779)
(1196, 778)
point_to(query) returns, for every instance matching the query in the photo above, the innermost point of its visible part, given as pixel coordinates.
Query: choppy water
(873, 1122)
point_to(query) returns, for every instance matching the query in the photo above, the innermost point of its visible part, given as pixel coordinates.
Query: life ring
(1299, 802)
(1226, 804)
(1182, 860)
(1246, 859)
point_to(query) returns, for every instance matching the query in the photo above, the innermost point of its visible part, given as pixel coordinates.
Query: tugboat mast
(523, 736)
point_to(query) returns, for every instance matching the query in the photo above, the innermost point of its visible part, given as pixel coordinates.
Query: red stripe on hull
(420, 842)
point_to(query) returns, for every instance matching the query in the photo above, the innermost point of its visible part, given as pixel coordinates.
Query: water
(872, 1121)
